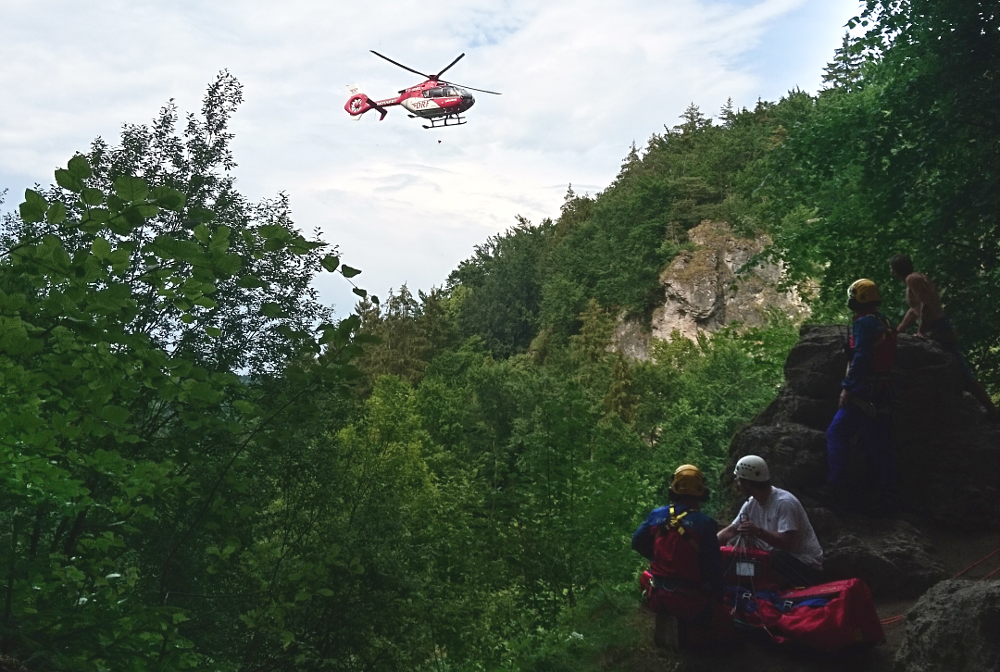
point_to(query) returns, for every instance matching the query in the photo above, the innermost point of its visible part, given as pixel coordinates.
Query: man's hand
(748, 529)
(844, 397)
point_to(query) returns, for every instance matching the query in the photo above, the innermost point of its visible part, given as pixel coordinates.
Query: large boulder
(946, 451)
(891, 555)
(954, 627)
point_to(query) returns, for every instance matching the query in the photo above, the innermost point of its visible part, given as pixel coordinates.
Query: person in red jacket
(684, 583)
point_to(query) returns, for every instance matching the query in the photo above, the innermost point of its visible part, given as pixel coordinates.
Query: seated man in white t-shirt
(776, 518)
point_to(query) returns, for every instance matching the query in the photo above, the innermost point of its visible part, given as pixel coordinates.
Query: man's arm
(919, 293)
(783, 541)
(908, 319)
(642, 539)
(865, 331)
(726, 533)
(916, 305)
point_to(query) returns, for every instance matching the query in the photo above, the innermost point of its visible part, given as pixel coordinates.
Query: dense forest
(204, 468)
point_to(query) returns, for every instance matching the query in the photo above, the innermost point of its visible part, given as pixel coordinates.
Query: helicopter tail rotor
(360, 103)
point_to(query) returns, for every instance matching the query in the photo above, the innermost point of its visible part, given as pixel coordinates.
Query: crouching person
(684, 584)
(775, 518)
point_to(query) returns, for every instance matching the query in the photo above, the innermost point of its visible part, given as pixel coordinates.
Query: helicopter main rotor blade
(403, 66)
(460, 57)
(495, 93)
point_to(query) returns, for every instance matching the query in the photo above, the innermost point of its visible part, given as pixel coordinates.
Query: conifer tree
(845, 70)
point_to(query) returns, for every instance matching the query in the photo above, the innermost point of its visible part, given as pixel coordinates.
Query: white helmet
(752, 468)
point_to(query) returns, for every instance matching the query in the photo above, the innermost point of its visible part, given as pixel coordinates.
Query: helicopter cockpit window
(452, 91)
(434, 93)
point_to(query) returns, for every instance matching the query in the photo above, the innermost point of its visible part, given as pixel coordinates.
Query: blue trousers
(876, 437)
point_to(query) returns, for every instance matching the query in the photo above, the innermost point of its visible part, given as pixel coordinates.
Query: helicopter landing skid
(449, 120)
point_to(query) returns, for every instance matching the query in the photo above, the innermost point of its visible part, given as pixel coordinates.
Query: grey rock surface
(891, 555)
(954, 627)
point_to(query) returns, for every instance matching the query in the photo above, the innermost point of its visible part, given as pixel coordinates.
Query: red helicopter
(441, 102)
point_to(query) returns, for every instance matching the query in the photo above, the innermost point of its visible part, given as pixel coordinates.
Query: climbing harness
(883, 349)
(675, 520)
(675, 565)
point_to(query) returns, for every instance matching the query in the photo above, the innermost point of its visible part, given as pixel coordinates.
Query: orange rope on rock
(976, 563)
(892, 620)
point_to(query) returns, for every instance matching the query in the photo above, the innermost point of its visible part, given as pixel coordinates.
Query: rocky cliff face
(946, 451)
(704, 290)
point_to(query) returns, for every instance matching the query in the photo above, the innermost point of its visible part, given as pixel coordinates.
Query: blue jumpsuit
(873, 344)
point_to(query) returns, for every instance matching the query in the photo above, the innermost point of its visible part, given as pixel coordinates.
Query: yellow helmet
(688, 480)
(863, 291)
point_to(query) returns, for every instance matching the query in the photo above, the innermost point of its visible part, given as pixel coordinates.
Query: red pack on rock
(830, 616)
(747, 567)
(826, 617)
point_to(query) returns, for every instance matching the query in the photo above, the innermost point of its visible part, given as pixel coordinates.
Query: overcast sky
(581, 81)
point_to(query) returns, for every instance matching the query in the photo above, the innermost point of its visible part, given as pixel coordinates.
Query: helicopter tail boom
(359, 103)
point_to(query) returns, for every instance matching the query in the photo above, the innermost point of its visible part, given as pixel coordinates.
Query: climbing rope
(892, 620)
(976, 563)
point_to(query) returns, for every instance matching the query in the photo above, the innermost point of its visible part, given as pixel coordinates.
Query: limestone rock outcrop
(953, 627)
(704, 290)
(946, 451)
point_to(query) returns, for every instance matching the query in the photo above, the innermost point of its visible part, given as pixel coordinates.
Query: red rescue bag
(830, 616)
(826, 617)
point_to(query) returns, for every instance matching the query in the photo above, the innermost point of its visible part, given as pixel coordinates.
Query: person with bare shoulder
(925, 309)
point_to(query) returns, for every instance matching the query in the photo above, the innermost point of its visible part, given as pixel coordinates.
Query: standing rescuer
(865, 400)
(684, 584)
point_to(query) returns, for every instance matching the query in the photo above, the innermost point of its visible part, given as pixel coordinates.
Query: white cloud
(580, 80)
